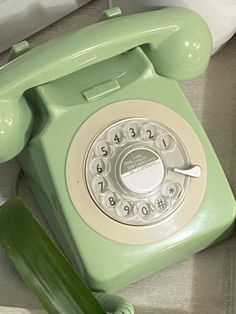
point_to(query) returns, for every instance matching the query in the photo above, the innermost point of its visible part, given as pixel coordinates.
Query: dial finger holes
(128, 171)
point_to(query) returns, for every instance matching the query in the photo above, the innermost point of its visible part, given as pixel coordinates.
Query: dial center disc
(141, 170)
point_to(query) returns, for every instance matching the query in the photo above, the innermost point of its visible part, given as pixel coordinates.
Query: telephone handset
(114, 154)
(156, 32)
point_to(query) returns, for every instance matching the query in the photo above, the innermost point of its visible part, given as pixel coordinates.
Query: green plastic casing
(45, 92)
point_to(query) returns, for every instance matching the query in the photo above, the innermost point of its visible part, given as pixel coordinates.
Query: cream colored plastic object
(219, 14)
(129, 171)
(95, 154)
(21, 19)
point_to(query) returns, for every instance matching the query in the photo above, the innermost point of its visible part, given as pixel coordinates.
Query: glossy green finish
(179, 48)
(106, 265)
(41, 263)
(18, 49)
(176, 40)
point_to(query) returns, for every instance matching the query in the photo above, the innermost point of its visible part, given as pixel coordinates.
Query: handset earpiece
(185, 53)
(177, 41)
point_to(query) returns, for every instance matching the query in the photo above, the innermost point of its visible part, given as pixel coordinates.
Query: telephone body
(115, 156)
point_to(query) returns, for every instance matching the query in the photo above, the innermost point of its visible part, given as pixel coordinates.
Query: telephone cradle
(115, 156)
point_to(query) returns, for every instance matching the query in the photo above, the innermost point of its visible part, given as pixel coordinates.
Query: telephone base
(62, 109)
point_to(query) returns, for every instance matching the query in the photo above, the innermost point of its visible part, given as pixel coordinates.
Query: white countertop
(202, 283)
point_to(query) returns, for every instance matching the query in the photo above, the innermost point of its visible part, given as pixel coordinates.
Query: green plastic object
(177, 41)
(41, 264)
(50, 92)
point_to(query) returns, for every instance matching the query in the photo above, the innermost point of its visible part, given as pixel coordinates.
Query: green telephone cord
(114, 304)
(110, 303)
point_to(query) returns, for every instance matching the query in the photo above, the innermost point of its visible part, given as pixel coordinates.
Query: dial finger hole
(125, 209)
(173, 190)
(103, 149)
(144, 211)
(133, 130)
(116, 136)
(110, 200)
(99, 166)
(161, 204)
(149, 132)
(165, 142)
(100, 185)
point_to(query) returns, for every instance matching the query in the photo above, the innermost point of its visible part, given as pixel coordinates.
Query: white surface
(202, 284)
(20, 21)
(146, 178)
(219, 14)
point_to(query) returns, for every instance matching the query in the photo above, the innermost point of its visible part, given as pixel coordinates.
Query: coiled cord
(114, 304)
